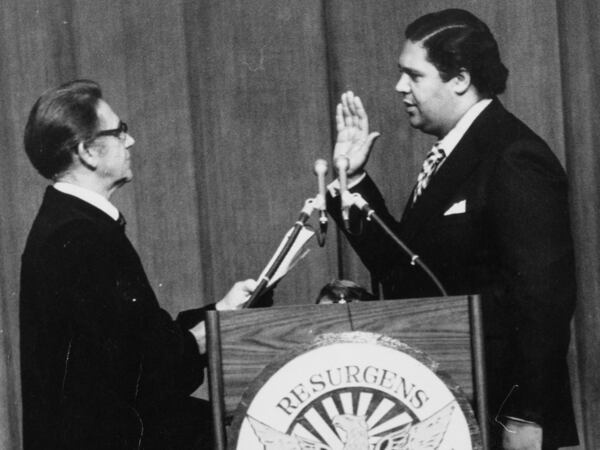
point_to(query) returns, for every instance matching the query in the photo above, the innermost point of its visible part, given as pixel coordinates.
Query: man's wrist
(334, 186)
(356, 178)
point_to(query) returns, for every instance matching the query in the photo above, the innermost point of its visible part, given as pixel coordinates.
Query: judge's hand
(353, 138)
(239, 294)
(521, 436)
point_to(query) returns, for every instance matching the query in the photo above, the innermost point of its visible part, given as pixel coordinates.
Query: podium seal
(354, 391)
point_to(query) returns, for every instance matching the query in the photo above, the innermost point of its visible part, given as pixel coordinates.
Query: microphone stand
(357, 200)
(341, 163)
(305, 214)
(322, 231)
(319, 203)
(321, 170)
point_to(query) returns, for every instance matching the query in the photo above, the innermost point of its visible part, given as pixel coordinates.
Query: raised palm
(353, 138)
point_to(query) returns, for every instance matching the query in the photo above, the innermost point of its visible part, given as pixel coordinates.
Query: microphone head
(320, 167)
(341, 163)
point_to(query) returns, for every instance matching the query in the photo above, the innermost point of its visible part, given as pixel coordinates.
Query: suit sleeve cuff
(334, 186)
(190, 318)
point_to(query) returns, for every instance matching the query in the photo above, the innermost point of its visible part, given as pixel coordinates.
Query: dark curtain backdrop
(230, 103)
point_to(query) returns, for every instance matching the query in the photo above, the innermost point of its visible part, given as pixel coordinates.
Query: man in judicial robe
(488, 214)
(103, 366)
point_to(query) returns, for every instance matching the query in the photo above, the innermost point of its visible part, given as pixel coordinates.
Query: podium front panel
(252, 339)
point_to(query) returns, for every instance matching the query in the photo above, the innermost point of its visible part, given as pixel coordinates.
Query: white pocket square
(457, 208)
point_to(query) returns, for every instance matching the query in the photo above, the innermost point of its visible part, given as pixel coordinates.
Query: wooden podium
(241, 343)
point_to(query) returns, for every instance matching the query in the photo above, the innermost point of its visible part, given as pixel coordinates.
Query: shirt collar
(450, 141)
(88, 196)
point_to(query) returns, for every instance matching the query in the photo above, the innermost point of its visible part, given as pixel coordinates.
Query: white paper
(296, 253)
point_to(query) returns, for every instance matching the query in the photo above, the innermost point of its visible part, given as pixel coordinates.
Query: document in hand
(296, 253)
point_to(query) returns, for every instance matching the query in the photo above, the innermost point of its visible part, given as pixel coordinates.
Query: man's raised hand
(353, 138)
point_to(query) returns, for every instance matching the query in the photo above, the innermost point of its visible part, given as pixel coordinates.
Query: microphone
(361, 203)
(321, 171)
(341, 164)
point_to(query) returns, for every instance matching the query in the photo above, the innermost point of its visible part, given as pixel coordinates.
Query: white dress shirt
(449, 142)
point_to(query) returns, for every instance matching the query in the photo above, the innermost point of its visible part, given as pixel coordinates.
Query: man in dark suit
(103, 366)
(488, 214)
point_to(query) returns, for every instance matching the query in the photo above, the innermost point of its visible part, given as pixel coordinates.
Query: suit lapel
(465, 157)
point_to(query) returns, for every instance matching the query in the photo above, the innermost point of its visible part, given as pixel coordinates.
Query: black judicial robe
(512, 244)
(103, 366)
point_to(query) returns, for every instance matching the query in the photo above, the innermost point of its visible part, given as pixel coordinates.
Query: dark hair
(456, 39)
(344, 290)
(59, 120)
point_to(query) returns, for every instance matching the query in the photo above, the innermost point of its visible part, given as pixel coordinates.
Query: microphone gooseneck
(358, 201)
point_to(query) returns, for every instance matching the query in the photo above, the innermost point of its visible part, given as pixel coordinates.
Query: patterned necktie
(430, 165)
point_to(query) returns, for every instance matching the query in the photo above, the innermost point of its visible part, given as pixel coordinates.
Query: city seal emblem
(354, 391)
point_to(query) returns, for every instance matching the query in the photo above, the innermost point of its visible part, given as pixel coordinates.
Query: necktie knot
(437, 153)
(433, 160)
(121, 220)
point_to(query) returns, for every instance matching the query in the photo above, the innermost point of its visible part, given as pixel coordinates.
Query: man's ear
(87, 155)
(462, 81)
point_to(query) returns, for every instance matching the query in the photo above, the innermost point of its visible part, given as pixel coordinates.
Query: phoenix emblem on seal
(359, 432)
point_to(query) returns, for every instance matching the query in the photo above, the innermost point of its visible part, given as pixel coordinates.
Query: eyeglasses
(118, 132)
